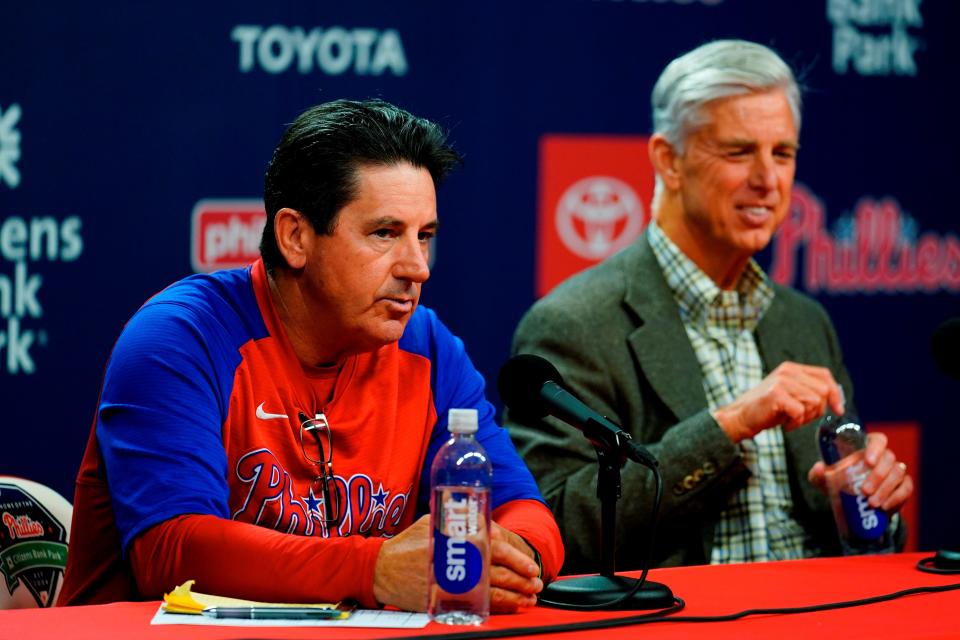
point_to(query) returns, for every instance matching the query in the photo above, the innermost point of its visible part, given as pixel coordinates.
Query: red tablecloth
(710, 590)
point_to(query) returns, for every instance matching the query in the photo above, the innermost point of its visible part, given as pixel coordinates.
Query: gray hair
(718, 69)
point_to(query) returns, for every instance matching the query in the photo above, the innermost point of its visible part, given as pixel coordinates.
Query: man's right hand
(792, 395)
(400, 576)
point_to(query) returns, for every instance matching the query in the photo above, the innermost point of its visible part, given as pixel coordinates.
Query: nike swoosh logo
(263, 415)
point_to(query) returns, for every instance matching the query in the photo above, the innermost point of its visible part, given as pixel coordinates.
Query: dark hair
(314, 167)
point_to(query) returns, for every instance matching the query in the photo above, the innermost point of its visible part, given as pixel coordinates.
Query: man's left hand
(887, 487)
(513, 572)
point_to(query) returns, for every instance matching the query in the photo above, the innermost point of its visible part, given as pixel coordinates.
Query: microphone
(533, 388)
(945, 345)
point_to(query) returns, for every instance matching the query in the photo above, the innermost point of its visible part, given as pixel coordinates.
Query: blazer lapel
(774, 342)
(779, 340)
(778, 344)
(660, 343)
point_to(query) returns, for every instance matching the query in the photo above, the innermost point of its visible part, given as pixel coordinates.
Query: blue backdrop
(117, 119)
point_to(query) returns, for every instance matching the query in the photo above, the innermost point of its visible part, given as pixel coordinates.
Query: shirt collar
(700, 300)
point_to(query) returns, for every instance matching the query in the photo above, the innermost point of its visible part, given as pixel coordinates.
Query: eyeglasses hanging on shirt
(317, 448)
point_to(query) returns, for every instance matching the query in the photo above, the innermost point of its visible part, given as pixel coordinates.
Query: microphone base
(594, 591)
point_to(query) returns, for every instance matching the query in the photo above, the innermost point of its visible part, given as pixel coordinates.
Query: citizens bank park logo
(872, 37)
(225, 234)
(26, 241)
(9, 145)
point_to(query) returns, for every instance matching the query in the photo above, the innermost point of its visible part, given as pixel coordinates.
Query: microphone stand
(606, 590)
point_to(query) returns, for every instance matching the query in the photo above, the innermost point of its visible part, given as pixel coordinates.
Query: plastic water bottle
(460, 480)
(863, 529)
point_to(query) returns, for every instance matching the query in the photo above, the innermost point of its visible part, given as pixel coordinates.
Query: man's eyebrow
(386, 221)
(747, 142)
(390, 221)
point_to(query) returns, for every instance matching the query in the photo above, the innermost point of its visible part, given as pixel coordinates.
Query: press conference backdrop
(134, 137)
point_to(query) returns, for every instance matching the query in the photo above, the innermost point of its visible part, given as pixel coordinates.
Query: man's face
(363, 280)
(736, 174)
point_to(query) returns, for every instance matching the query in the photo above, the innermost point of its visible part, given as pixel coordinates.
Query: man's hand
(513, 572)
(887, 487)
(792, 395)
(400, 576)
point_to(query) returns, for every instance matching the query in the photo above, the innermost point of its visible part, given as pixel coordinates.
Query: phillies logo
(22, 526)
(598, 216)
(33, 545)
(225, 234)
(272, 500)
(877, 248)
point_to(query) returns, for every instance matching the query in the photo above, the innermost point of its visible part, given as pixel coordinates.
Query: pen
(274, 613)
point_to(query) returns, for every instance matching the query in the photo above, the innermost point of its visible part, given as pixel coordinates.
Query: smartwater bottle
(863, 529)
(459, 578)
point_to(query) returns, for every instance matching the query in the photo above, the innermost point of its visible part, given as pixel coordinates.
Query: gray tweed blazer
(615, 334)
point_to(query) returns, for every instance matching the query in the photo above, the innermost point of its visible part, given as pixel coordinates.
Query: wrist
(379, 584)
(726, 419)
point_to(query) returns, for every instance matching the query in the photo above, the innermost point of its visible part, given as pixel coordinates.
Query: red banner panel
(904, 439)
(594, 200)
(226, 233)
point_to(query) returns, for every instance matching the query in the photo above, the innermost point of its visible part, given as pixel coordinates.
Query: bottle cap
(462, 421)
(839, 436)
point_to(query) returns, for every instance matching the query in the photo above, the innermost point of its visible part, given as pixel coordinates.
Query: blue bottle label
(865, 522)
(457, 562)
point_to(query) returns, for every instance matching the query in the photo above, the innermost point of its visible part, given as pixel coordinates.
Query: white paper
(375, 618)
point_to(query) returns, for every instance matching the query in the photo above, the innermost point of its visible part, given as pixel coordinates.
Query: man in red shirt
(199, 465)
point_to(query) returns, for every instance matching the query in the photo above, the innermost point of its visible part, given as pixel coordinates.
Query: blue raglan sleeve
(164, 400)
(458, 385)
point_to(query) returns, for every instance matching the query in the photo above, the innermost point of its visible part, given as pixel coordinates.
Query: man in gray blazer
(685, 342)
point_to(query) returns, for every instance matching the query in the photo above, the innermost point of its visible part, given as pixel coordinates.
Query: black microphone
(533, 388)
(945, 345)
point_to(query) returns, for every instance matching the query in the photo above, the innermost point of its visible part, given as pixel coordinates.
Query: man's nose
(412, 260)
(763, 173)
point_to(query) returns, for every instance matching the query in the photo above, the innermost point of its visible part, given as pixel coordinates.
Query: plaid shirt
(756, 523)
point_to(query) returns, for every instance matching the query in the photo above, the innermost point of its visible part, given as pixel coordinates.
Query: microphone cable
(663, 616)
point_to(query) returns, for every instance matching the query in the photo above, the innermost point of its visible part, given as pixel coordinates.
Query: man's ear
(291, 229)
(665, 160)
